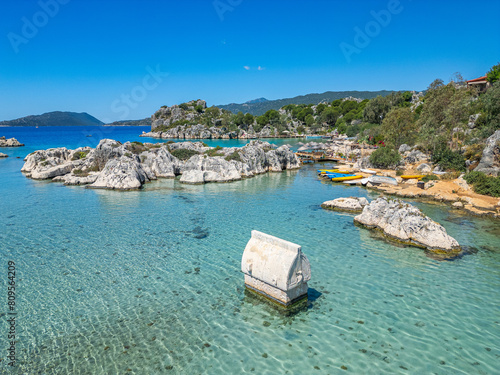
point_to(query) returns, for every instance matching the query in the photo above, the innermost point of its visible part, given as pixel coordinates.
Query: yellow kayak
(346, 178)
(417, 176)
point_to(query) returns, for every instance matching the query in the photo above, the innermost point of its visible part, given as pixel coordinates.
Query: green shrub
(214, 152)
(474, 177)
(448, 159)
(450, 176)
(430, 177)
(183, 154)
(385, 157)
(234, 156)
(170, 142)
(352, 130)
(136, 148)
(80, 155)
(342, 128)
(483, 184)
(80, 173)
(184, 106)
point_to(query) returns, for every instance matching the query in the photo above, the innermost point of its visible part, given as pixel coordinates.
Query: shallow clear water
(150, 281)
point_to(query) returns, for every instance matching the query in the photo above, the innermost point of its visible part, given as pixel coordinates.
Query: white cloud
(261, 68)
(246, 67)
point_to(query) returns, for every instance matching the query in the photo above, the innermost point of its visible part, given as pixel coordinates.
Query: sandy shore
(455, 193)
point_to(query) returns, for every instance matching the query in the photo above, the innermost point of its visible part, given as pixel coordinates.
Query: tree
(348, 117)
(341, 128)
(436, 84)
(330, 115)
(309, 120)
(399, 127)
(238, 118)
(320, 108)
(376, 110)
(212, 112)
(304, 113)
(273, 116)
(491, 102)
(248, 119)
(445, 108)
(348, 105)
(494, 74)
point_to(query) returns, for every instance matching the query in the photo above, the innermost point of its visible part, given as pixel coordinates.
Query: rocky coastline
(351, 204)
(128, 166)
(445, 187)
(11, 142)
(406, 224)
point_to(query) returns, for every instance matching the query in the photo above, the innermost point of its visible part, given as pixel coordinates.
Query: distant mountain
(259, 100)
(260, 106)
(55, 119)
(144, 122)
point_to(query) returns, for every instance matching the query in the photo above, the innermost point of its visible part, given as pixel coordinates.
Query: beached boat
(411, 176)
(337, 171)
(323, 171)
(353, 182)
(382, 180)
(369, 171)
(347, 178)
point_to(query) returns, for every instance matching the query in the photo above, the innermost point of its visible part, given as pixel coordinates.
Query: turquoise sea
(149, 282)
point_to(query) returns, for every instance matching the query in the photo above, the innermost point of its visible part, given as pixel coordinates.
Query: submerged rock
(11, 142)
(403, 222)
(351, 204)
(72, 179)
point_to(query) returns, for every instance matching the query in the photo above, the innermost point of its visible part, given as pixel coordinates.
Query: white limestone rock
(2, 155)
(406, 223)
(424, 168)
(462, 183)
(490, 160)
(201, 168)
(47, 164)
(161, 162)
(351, 204)
(11, 142)
(72, 179)
(125, 173)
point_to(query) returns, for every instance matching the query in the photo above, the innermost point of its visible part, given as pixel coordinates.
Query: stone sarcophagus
(275, 268)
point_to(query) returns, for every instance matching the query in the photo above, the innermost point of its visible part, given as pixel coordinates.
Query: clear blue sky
(90, 56)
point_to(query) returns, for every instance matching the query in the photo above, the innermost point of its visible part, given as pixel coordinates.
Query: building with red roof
(480, 83)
